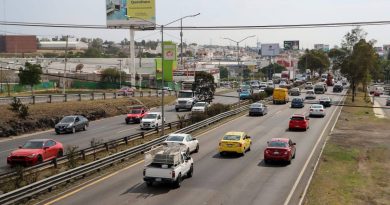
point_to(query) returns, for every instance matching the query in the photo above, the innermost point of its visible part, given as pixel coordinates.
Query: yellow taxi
(235, 142)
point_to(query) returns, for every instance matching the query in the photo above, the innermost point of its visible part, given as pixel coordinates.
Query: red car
(298, 121)
(36, 151)
(136, 115)
(126, 91)
(377, 93)
(279, 149)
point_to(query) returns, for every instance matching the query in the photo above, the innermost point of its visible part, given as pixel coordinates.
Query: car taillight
(322, 110)
(267, 151)
(173, 174)
(286, 152)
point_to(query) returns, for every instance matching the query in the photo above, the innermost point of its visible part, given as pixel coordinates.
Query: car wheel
(249, 148)
(191, 171)
(177, 109)
(74, 130)
(178, 181)
(149, 183)
(243, 152)
(197, 148)
(60, 153)
(127, 122)
(266, 161)
(40, 159)
(188, 151)
(85, 127)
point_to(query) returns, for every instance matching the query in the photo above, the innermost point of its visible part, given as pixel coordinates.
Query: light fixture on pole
(162, 60)
(238, 49)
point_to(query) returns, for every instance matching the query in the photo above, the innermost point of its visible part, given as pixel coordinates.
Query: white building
(61, 45)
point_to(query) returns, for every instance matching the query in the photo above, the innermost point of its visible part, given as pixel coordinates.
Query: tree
(246, 73)
(92, 53)
(31, 75)
(359, 66)
(6, 77)
(353, 37)
(337, 56)
(271, 69)
(315, 60)
(204, 86)
(223, 72)
(112, 75)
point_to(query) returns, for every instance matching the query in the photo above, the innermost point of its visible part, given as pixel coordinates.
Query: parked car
(71, 124)
(279, 149)
(191, 143)
(167, 164)
(235, 142)
(310, 95)
(245, 94)
(317, 110)
(258, 109)
(298, 121)
(295, 92)
(126, 91)
(338, 88)
(136, 114)
(297, 102)
(325, 101)
(151, 120)
(36, 151)
(200, 107)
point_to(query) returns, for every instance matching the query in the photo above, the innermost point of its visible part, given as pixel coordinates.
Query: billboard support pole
(162, 80)
(132, 57)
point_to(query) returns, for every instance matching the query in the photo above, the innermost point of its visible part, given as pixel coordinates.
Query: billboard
(169, 50)
(142, 11)
(323, 47)
(270, 49)
(291, 45)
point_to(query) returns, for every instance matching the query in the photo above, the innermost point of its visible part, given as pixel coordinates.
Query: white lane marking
(127, 130)
(318, 160)
(287, 201)
(278, 112)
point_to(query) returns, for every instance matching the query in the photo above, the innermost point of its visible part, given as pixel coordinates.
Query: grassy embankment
(354, 167)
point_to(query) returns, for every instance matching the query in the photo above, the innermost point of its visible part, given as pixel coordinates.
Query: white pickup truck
(167, 164)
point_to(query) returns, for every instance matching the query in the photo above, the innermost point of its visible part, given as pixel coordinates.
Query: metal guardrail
(64, 177)
(80, 97)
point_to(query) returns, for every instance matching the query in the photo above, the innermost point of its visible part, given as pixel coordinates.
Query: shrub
(259, 96)
(23, 111)
(15, 105)
(216, 109)
(71, 154)
(197, 117)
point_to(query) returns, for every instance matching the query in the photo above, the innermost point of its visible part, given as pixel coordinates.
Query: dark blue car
(297, 103)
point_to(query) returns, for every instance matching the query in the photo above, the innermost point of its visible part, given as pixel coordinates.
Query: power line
(250, 27)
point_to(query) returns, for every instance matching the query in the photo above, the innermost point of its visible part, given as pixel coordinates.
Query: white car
(151, 120)
(263, 85)
(310, 95)
(270, 84)
(200, 107)
(317, 110)
(190, 142)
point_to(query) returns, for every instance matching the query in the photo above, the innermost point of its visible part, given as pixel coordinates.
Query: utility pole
(66, 60)
(162, 80)
(120, 73)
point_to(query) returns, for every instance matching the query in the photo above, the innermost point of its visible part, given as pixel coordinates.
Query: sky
(213, 13)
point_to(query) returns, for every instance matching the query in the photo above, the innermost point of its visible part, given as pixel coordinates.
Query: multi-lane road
(105, 129)
(221, 180)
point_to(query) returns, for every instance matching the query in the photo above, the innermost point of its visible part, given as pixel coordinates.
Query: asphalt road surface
(105, 129)
(217, 180)
(382, 103)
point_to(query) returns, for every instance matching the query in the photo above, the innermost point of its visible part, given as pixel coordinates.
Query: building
(18, 44)
(61, 45)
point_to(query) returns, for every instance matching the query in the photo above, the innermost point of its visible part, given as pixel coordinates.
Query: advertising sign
(291, 45)
(270, 49)
(169, 50)
(143, 13)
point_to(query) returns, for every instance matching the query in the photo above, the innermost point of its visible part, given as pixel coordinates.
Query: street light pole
(120, 73)
(181, 43)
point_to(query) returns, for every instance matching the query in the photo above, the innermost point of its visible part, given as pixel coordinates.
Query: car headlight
(70, 125)
(189, 102)
(31, 156)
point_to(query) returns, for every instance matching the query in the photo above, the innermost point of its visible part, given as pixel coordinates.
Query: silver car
(317, 110)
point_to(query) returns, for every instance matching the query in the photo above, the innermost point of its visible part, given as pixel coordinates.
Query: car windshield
(232, 137)
(124, 88)
(256, 105)
(325, 99)
(245, 92)
(175, 138)
(200, 104)
(310, 92)
(185, 94)
(67, 120)
(150, 116)
(137, 111)
(33, 145)
(277, 144)
(296, 100)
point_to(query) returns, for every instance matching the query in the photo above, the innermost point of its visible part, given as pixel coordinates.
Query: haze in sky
(213, 13)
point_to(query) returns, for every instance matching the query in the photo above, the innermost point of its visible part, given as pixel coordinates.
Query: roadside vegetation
(19, 119)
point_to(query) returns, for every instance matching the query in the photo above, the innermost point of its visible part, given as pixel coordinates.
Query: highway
(104, 129)
(228, 180)
(382, 103)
